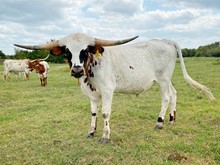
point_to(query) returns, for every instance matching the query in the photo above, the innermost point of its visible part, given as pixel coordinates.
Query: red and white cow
(41, 67)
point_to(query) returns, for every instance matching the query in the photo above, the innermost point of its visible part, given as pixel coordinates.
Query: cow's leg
(45, 81)
(41, 81)
(172, 105)
(95, 98)
(106, 112)
(94, 112)
(5, 76)
(27, 76)
(165, 97)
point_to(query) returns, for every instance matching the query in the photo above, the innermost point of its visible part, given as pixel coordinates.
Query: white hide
(133, 69)
(130, 69)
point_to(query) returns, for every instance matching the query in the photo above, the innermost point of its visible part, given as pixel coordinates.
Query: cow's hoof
(90, 135)
(170, 122)
(158, 127)
(104, 141)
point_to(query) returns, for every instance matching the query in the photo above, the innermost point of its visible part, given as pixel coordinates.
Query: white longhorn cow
(130, 68)
(17, 67)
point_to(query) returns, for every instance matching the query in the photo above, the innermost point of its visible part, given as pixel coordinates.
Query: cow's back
(15, 65)
(134, 67)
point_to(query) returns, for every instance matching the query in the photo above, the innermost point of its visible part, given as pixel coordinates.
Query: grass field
(48, 125)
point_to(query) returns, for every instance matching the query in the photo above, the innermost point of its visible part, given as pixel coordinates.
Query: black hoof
(90, 135)
(158, 127)
(104, 141)
(170, 123)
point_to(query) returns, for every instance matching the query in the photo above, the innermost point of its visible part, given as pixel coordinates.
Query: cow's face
(73, 47)
(33, 64)
(86, 59)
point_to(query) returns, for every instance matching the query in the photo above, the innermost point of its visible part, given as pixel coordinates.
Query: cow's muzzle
(77, 71)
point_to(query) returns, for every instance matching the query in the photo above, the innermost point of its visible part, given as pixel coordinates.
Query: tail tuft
(189, 80)
(200, 87)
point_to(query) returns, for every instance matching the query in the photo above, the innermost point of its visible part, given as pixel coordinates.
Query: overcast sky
(191, 23)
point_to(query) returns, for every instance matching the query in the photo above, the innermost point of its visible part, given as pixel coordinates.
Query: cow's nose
(77, 71)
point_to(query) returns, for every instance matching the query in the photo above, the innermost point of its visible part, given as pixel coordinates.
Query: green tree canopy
(37, 54)
(2, 55)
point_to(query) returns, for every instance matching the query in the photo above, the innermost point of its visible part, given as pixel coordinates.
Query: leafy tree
(2, 55)
(215, 52)
(188, 52)
(37, 54)
(208, 50)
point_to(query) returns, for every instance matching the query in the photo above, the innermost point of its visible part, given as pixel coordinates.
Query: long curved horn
(47, 46)
(45, 58)
(101, 42)
(41, 59)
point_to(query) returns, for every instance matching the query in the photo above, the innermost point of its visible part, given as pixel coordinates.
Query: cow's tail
(189, 80)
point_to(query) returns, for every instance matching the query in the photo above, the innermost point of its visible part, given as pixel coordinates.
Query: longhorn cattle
(41, 67)
(17, 67)
(105, 67)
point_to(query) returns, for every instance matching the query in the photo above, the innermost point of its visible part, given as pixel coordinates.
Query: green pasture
(48, 125)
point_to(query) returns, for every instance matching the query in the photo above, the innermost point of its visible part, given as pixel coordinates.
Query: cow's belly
(134, 85)
(16, 69)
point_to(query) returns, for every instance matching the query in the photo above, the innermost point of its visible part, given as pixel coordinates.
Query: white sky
(191, 23)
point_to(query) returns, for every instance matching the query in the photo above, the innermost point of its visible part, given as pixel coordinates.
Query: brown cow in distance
(41, 67)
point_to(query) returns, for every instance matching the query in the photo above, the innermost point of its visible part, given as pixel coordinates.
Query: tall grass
(48, 125)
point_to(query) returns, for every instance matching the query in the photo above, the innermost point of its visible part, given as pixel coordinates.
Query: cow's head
(72, 46)
(33, 64)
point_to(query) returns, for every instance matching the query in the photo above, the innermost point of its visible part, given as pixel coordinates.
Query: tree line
(211, 50)
(35, 54)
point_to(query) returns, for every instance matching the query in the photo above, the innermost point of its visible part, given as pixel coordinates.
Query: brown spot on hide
(85, 80)
(91, 74)
(91, 88)
(104, 115)
(91, 59)
(35, 64)
(40, 69)
(131, 67)
(86, 65)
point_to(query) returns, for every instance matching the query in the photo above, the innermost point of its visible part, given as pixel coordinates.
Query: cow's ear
(57, 51)
(101, 50)
(94, 49)
(91, 49)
